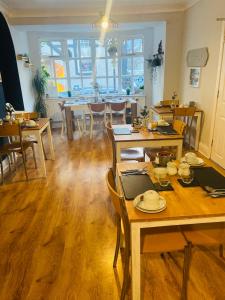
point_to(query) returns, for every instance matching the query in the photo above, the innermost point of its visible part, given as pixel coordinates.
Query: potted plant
(40, 81)
(128, 91)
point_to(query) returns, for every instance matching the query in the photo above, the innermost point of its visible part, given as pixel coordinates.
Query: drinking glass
(187, 179)
(164, 180)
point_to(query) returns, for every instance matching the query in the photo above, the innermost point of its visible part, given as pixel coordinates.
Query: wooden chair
(169, 102)
(18, 146)
(179, 126)
(97, 111)
(186, 114)
(152, 240)
(117, 109)
(30, 116)
(131, 154)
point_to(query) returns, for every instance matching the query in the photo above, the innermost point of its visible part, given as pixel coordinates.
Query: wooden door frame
(218, 77)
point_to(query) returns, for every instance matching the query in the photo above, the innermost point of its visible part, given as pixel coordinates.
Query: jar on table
(184, 169)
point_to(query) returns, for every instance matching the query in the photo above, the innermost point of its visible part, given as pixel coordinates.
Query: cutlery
(217, 195)
(212, 190)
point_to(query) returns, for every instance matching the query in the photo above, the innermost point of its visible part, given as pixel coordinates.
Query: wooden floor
(57, 236)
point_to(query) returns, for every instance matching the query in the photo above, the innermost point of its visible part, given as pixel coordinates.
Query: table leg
(41, 155)
(118, 156)
(135, 261)
(133, 111)
(50, 142)
(179, 149)
(69, 123)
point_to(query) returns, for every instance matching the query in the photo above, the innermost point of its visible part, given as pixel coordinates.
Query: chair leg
(186, 266)
(125, 273)
(91, 125)
(221, 250)
(10, 170)
(62, 128)
(118, 225)
(2, 175)
(43, 149)
(24, 164)
(35, 161)
(79, 127)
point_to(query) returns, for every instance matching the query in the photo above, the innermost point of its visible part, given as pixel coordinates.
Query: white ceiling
(30, 12)
(29, 7)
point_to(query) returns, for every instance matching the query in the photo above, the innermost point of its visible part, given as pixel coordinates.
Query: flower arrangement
(9, 108)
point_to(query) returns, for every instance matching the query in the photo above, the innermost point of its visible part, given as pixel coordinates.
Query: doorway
(218, 145)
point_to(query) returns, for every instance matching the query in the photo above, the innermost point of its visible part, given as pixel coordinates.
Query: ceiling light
(105, 22)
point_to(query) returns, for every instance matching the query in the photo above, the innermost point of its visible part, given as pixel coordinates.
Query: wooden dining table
(165, 112)
(36, 132)
(145, 138)
(82, 105)
(185, 205)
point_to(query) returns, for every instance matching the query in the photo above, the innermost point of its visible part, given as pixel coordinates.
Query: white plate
(199, 163)
(162, 205)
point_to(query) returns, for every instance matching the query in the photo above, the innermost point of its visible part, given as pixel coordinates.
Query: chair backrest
(119, 205)
(27, 115)
(184, 111)
(10, 130)
(111, 138)
(97, 107)
(117, 107)
(179, 126)
(61, 106)
(186, 114)
(169, 102)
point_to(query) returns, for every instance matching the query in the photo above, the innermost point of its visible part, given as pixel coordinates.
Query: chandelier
(105, 22)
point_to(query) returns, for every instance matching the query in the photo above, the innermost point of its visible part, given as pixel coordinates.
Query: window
(73, 63)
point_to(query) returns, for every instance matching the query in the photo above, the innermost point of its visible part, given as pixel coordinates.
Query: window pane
(112, 67)
(102, 85)
(138, 65)
(56, 48)
(62, 87)
(52, 90)
(85, 48)
(60, 68)
(126, 83)
(87, 86)
(100, 49)
(138, 81)
(74, 66)
(72, 48)
(126, 66)
(138, 45)
(48, 64)
(127, 47)
(101, 67)
(113, 85)
(45, 49)
(75, 86)
(86, 67)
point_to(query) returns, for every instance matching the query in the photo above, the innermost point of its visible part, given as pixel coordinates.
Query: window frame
(92, 40)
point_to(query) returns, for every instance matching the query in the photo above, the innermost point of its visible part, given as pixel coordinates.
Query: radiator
(53, 110)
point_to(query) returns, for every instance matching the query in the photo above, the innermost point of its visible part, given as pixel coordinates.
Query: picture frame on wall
(194, 77)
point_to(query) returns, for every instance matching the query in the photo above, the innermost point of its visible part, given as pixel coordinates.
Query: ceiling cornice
(82, 14)
(4, 8)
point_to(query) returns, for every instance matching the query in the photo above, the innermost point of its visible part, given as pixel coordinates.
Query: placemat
(208, 176)
(192, 184)
(121, 131)
(160, 188)
(166, 130)
(134, 185)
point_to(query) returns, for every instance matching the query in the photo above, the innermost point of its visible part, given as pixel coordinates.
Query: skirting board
(204, 150)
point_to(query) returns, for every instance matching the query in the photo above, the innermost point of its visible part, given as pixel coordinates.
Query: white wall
(158, 73)
(21, 47)
(202, 30)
